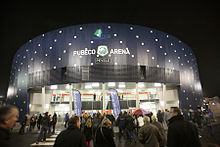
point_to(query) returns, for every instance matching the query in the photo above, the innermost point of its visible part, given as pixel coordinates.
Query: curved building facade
(147, 67)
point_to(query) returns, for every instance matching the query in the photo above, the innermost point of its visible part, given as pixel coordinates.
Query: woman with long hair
(88, 132)
(104, 135)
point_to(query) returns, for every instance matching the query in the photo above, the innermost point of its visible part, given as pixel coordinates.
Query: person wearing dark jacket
(161, 130)
(54, 122)
(8, 117)
(104, 135)
(181, 133)
(88, 132)
(23, 124)
(45, 126)
(72, 135)
(121, 122)
(160, 116)
(130, 126)
(149, 134)
(39, 121)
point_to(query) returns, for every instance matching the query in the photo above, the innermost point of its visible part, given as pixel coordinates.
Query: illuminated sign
(84, 52)
(101, 60)
(102, 50)
(98, 34)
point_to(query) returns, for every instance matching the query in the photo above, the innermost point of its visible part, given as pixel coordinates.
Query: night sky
(196, 23)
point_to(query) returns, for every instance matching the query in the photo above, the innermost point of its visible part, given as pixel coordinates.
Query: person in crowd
(44, 128)
(54, 122)
(161, 130)
(83, 118)
(66, 119)
(50, 125)
(88, 132)
(166, 116)
(149, 134)
(121, 123)
(111, 117)
(198, 118)
(8, 118)
(191, 115)
(33, 121)
(136, 123)
(71, 136)
(211, 115)
(207, 124)
(160, 116)
(130, 126)
(181, 133)
(23, 124)
(150, 114)
(140, 122)
(104, 135)
(27, 124)
(39, 121)
(96, 123)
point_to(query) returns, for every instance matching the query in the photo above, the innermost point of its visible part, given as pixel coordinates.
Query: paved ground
(28, 139)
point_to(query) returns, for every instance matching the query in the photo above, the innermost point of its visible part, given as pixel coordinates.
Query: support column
(137, 97)
(103, 97)
(164, 104)
(71, 99)
(43, 99)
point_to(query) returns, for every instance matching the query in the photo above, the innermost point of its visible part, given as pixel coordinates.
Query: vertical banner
(77, 102)
(115, 102)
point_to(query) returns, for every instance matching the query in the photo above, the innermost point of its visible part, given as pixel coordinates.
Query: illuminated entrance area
(96, 97)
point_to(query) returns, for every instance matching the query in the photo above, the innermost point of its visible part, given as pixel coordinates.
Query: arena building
(147, 69)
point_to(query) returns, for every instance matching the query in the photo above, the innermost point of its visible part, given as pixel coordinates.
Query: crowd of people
(29, 123)
(169, 128)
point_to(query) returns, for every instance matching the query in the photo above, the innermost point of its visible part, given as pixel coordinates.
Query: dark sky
(196, 23)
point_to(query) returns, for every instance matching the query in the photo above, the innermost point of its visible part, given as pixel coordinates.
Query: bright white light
(10, 91)
(120, 90)
(95, 84)
(111, 84)
(67, 86)
(47, 106)
(53, 87)
(88, 86)
(162, 103)
(91, 91)
(29, 105)
(157, 84)
(121, 85)
(98, 93)
(140, 85)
